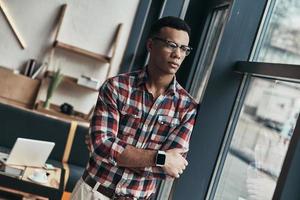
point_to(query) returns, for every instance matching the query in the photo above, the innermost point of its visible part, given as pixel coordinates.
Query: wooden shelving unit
(58, 44)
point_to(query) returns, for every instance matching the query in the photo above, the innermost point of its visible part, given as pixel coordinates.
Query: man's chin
(167, 70)
(173, 71)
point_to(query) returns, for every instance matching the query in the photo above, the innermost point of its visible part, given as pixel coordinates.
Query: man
(142, 123)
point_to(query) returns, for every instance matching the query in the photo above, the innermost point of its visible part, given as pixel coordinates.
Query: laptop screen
(29, 152)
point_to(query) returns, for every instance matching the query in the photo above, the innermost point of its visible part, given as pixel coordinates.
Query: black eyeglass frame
(184, 48)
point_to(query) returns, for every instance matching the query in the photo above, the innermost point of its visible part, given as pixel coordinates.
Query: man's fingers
(180, 150)
(186, 162)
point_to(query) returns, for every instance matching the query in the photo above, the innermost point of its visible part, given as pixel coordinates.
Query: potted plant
(54, 83)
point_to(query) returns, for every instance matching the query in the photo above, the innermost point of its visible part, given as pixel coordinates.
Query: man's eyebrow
(170, 40)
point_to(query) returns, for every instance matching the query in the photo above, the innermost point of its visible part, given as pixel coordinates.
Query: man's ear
(149, 44)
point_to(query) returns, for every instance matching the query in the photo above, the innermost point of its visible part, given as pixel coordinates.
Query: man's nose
(177, 53)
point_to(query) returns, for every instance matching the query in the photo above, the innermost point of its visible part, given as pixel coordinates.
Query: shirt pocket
(129, 122)
(163, 127)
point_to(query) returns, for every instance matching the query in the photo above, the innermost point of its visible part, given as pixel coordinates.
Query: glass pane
(260, 141)
(210, 48)
(281, 43)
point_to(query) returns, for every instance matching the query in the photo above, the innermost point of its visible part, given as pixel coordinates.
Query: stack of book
(30, 67)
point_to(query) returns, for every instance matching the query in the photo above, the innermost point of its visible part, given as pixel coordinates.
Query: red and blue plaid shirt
(127, 114)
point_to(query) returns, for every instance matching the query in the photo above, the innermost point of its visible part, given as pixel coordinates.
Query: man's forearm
(135, 157)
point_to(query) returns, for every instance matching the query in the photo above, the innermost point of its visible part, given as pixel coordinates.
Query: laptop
(28, 152)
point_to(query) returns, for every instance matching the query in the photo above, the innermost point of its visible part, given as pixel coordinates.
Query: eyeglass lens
(173, 46)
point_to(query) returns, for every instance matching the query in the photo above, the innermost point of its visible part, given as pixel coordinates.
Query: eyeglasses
(186, 50)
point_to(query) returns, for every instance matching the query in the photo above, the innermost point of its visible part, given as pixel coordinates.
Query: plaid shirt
(127, 114)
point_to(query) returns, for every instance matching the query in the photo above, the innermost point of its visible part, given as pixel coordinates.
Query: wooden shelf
(54, 110)
(75, 49)
(70, 80)
(81, 51)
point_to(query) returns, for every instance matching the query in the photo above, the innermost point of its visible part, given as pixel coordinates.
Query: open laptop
(28, 152)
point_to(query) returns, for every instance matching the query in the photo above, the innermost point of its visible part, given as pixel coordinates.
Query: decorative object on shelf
(67, 109)
(54, 83)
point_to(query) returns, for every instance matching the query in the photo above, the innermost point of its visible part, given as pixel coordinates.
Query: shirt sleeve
(179, 138)
(105, 124)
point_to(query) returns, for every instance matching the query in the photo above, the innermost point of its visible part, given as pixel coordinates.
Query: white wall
(87, 24)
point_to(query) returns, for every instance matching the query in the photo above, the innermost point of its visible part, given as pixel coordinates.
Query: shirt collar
(143, 77)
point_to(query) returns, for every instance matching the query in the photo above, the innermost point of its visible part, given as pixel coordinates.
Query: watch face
(161, 158)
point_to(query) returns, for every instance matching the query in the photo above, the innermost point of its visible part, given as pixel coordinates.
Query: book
(30, 67)
(88, 82)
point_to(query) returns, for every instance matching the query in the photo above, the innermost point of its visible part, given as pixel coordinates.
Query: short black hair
(170, 21)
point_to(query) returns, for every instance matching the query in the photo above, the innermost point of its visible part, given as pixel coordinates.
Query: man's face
(165, 55)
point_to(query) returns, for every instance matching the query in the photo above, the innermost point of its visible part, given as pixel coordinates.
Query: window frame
(286, 187)
(218, 103)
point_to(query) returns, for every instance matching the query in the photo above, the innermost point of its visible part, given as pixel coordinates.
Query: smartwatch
(160, 159)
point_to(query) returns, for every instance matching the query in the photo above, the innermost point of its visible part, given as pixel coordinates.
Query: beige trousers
(83, 191)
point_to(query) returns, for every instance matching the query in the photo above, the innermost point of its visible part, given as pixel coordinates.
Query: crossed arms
(105, 143)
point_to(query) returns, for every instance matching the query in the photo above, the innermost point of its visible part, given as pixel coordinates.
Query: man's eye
(184, 48)
(172, 45)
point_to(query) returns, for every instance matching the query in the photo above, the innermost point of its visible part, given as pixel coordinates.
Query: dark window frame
(288, 180)
(218, 104)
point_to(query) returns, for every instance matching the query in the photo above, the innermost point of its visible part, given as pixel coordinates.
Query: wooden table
(22, 185)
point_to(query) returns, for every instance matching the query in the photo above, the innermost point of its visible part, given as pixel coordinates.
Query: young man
(142, 123)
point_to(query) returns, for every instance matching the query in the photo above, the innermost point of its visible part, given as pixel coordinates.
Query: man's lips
(174, 64)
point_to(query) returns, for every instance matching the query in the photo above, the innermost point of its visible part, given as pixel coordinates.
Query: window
(207, 58)
(280, 41)
(267, 110)
(260, 140)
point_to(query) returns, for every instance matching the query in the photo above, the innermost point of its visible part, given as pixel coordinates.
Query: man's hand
(175, 162)
(174, 165)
